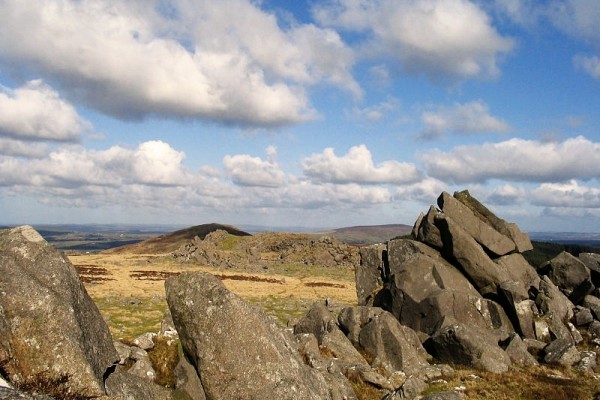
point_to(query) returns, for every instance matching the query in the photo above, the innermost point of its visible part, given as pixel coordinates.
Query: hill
(368, 234)
(172, 241)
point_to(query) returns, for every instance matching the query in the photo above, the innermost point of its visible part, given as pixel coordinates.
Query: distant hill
(172, 241)
(368, 234)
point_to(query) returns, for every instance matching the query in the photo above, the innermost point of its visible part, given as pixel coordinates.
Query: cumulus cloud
(35, 111)
(516, 160)
(246, 170)
(357, 167)
(506, 194)
(19, 148)
(426, 191)
(468, 118)
(204, 59)
(569, 194)
(442, 39)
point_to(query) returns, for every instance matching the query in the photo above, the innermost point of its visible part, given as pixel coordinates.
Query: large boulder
(50, 329)
(462, 248)
(425, 230)
(592, 262)
(393, 347)
(238, 352)
(425, 292)
(480, 230)
(511, 230)
(551, 301)
(566, 271)
(464, 345)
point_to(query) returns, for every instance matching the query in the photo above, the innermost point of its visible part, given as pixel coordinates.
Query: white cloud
(246, 170)
(516, 160)
(426, 191)
(590, 65)
(569, 194)
(19, 148)
(442, 39)
(204, 59)
(468, 118)
(377, 111)
(578, 18)
(506, 194)
(357, 167)
(35, 111)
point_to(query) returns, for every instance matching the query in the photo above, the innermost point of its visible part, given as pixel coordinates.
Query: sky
(293, 113)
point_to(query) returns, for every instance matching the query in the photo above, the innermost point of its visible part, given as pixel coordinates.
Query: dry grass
(529, 383)
(130, 294)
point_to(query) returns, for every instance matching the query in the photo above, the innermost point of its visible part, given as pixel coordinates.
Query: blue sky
(298, 113)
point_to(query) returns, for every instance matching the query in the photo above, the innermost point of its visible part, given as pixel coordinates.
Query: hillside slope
(172, 241)
(368, 234)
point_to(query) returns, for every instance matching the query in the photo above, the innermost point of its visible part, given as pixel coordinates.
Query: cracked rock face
(50, 329)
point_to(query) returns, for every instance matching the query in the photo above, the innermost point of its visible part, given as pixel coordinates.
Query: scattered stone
(145, 341)
(561, 351)
(583, 316)
(587, 362)
(594, 330)
(123, 351)
(593, 303)
(518, 353)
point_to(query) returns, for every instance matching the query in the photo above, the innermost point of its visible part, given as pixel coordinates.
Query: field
(129, 288)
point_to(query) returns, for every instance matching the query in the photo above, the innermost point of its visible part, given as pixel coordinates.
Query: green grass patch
(127, 318)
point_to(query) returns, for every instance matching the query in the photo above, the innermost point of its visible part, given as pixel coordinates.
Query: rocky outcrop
(465, 287)
(238, 352)
(50, 329)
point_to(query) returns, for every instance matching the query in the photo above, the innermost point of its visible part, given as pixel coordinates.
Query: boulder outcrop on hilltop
(463, 283)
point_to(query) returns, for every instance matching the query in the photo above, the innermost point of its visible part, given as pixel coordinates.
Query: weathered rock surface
(425, 230)
(187, 382)
(561, 352)
(123, 385)
(464, 345)
(11, 394)
(238, 352)
(369, 273)
(49, 326)
(567, 271)
(482, 232)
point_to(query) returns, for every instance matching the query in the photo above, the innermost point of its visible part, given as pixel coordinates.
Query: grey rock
(583, 316)
(518, 353)
(550, 300)
(567, 271)
(485, 274)
(542, 330)
(48, 323)
(588, 361)
(594, 330)
(136, 354)
(352, 319)
(427, 232)
(238, 351)
(12, 394)
(412, 388)
(562, 352)
(187, 380)
(593, 303)
(575, 335)
(519, 270)
(426, 292)
(123, 351)
(464, 345)
(511, 230)
(483, 233)
(143, 368)
(126, 386)
(369, 273)
(592, 262)
(535, 347)
(145, 341)
(583, 289)
(392, 346)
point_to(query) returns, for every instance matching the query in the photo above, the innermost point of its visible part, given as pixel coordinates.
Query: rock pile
(458, 292)
(221, 249)
(464, 286)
